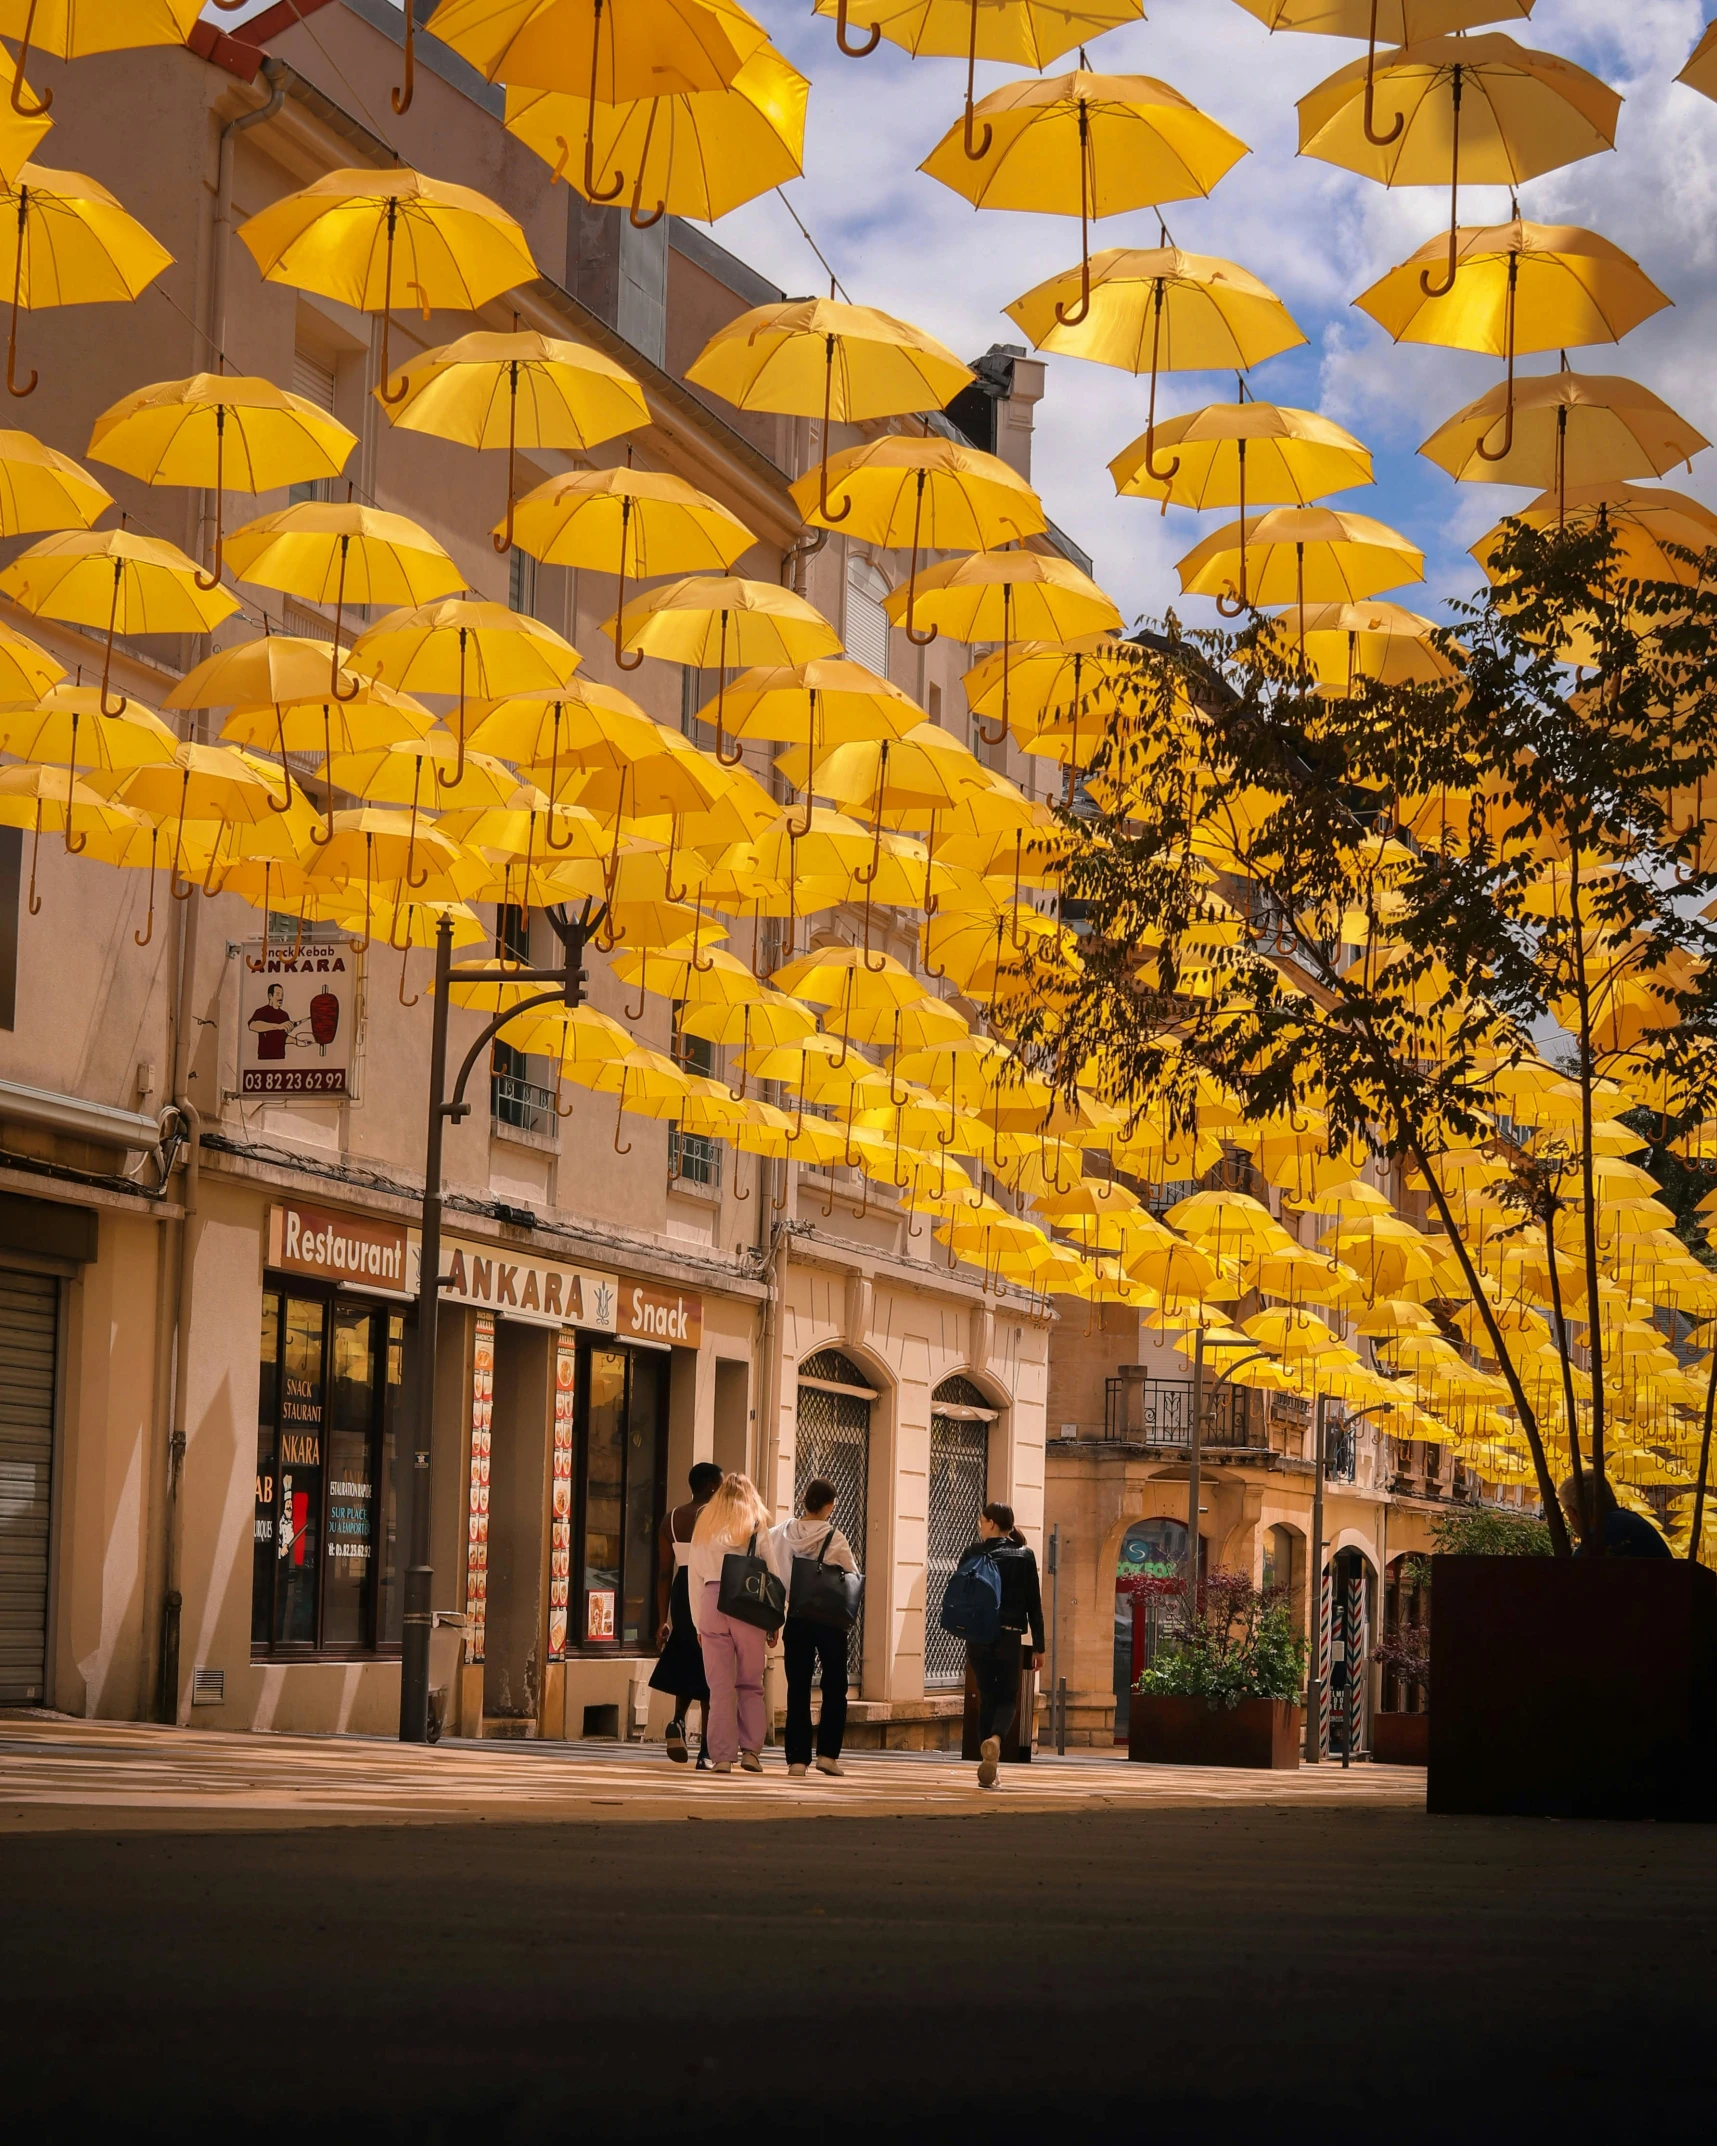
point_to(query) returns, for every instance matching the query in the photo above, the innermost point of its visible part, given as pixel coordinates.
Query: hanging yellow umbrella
(1569, 428)
(40, 488)
(1514, 288)
(708, 623)
(919, 775)
(340, 238)
(63, 724)
(22, 124)
(1344, 642)
(114, 580)
(274, 669)
(807, 356)
(828, 702)
(1700, 72)
(1158, 310)
(513, 391)
(222, 431)
(1393, 22)
(1056, 693)
(339, 553)
(38, 797)
(1509, 113)
(26, 671)
(1642, 518)
(71, 244)
(1302, 554)
(1088, 145)
(74, 29)
(693, 153)
(633, 523)
(1029, 33)
(639, 48)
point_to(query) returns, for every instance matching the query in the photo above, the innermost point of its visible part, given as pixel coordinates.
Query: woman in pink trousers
(732, 1652)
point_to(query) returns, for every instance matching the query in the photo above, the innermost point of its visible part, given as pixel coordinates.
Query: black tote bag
(750, 1591)
(823, 1593)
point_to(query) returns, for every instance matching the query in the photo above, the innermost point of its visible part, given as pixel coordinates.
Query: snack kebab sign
(380, 1256)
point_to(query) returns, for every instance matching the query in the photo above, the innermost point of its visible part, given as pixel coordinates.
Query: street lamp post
(562, 987)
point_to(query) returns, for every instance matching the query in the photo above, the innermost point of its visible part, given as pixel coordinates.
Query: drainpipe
(797, 557)
(172, 1598)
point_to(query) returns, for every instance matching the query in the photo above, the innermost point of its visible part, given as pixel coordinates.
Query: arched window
(1151, 1550)
(867, 622)
(834, 1442)
(960, 1419)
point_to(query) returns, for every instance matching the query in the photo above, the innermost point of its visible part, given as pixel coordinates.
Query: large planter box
(1165, 1731)
(1573, 1687)
(1400, 1739)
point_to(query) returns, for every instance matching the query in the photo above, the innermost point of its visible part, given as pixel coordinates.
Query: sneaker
(750, 1762)
(718, 1765)
(676, 1741)
(992, 1788)
(796, 1773)
(989, 1761)
(703, 1765)
(830, 1766)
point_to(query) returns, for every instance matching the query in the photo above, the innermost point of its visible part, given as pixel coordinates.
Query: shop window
(621, 1491)
(325, 1572)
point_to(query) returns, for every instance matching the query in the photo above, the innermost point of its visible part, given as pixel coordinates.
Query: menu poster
(477, 1516)
(599, 1613)
(560, 1498)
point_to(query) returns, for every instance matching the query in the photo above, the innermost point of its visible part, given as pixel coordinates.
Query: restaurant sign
(298, 1019)
(515, 1284)
(648, 1312)
(368, 1252)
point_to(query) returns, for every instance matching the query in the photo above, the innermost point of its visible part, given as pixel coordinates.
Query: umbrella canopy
(513, 391)
(830, 701)
(220, 430)
(24, 121)
(1642, 517)
(40, 488)
(75, 29)
(26, 671)
(356, 235)
(996, 595)
(63, 724)
(696, 153)
(1569, 428)
(276, 669)
(923, 772)
(65, 240)
(115, 581)
(1296, 554)
(1700, 73)
(643, 48)
(1344, 642)
(1056, 694)
(1232, 452)
(709, 623)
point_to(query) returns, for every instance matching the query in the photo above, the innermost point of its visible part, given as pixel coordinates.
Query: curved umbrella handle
(1158, 476)
(33, 111)
(12, 387)
(592, 190)
(387, 394)
(213, 581)
(977, 151)
(504, 542)
(828, 513)
(918, 640)
(122, 703)
(452, 782)
(401, 101)
(1377, 141)
(405, 959)
(853, 52)
(1500, 454)
(644, 223)
(628, 659)
(1073, 316)
(619, 1113)
(142, 938)
(285, 764)
(1442, 290)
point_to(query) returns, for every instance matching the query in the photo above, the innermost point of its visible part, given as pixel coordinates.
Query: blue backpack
(972, 1602)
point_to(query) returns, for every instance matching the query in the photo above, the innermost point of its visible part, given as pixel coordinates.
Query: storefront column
(519, 1479)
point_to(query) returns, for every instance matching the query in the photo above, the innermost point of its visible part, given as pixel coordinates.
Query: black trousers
(996, 1667)
(807, 1646)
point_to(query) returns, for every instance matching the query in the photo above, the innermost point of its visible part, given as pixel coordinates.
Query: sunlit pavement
(58, 1773)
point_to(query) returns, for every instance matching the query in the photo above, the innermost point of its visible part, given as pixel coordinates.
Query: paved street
(205, 1930)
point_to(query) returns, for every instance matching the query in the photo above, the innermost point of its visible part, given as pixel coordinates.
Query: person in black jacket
(996, 1665)
(1626, 1534)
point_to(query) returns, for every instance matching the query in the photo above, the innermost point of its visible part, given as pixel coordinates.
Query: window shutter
(313, 380)
(867, 621)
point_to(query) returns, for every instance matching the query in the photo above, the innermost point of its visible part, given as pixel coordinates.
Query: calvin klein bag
(750, 1590)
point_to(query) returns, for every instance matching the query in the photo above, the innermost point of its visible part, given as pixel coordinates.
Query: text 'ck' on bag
(824, 1593)
(750, 1591)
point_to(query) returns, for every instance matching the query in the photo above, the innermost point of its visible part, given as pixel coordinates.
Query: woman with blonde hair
(733, 1652)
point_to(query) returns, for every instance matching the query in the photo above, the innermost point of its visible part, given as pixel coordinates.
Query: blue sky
(1316, 235)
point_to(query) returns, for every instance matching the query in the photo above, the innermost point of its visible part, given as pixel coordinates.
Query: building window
(834, 1442)
(1152, 1555)
(516, 1098)
(522, 583)
(313, 380)
(325, 1573)
(693, 1158)
(867, 622)
(621, 1491)
(960, 1419)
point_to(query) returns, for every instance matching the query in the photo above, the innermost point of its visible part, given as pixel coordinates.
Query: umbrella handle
(553, 786)
(1502, 452)
(503, 543)
(628, 659)
(213, 581)
(401, 101)
(984, 737)
(977, 151)
(592, 191)
(35, 845)
(1073, 316)
(142, 938)
(33, 111)
(339, 607)
(452, 782)
(738, 754)
(644, 223)
(405, 958)
(12, 387)
(1377, 141)
(285, 764)
(1442, 290)
(1159, 476)
(122, 704)
(855, 52)
(829, 514)
(619, 1113)
(918, 640)
(386, 393)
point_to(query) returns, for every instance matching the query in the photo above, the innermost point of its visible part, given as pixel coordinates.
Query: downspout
(797, 557)
(172, 1598)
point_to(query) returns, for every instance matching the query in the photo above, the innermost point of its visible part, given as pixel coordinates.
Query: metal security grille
(29, 1312)
(834, 1442)
(959, 1480)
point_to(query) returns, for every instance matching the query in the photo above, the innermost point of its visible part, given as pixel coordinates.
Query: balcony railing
(520, 1103)
(1140, 1410)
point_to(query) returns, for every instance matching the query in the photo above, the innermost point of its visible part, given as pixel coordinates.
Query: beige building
(212, 1137)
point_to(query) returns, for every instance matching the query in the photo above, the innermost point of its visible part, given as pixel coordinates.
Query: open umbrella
(697, 152)
(344, 235)
(810, 355)
(1700, 72)
(71, 244)
(829, 701)
(115, 580)
(220, 430)
(1055, 693)
(22, 125)
(1643, 518)
(1301, 554)
(1343, 642)
(40, 488)
(1158, 310)
(1088, 145)
(513, 391)
(73, 29)
(632, 523)
(707, 623)
(39, 797)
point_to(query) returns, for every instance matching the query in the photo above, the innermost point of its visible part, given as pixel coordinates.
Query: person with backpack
(733, 1648)
(810, 1642)
(992, 1600)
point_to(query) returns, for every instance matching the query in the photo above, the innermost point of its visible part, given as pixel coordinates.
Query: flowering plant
(1239, 1644)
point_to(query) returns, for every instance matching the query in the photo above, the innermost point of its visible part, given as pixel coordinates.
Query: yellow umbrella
(178, 432)
(1395, 22)
(26, 671)
(638, 48)
(583, 725)
(63, 725)
(22, 126)
(513, 391)
(1088, 145)
(340, 553)
(71, 244)
(40, 488)
(1700, 73)
(474, 649)
(811, 355)
(339, 237)
(1346, 642)
(925, 772)
(73, 29)
(1030, 33)
(275, 669)
(1055, 692)
(1512, 113)
(1514, 288)
(633, 523)
(111, 578)
(931, 494)
(1643, 518)
(1158, 309)
(1569, 428)
(708, 623)
(36, 797)
(697, 152)
(830, 701)
(1301, 553)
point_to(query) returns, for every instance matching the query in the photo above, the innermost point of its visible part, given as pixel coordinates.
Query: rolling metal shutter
(29, 1318)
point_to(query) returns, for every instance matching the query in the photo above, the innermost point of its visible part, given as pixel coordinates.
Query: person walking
(809, 1646)
(734, 1721)
(996, 1663)
(679, 1667)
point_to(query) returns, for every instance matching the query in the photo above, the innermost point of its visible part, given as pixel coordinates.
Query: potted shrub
(1225, 1691)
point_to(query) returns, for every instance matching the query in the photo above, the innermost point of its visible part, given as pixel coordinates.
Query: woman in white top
(735, 1723)
(812, 1646)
